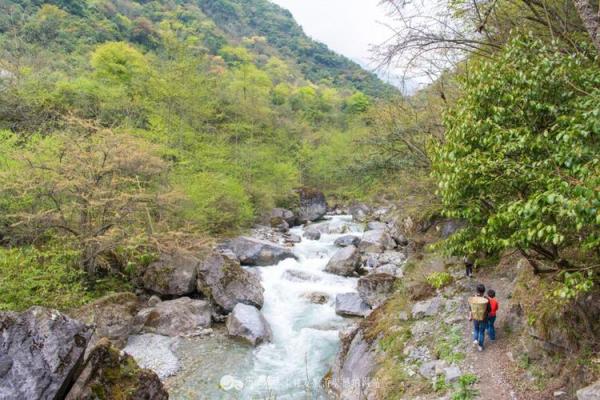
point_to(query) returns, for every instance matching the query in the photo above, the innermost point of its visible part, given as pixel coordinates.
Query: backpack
(479, 308)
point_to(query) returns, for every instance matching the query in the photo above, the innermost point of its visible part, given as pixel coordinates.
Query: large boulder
(353, 369)
(247, 323)
(109, 373)
(255, 252)
(313, 205)
(344, 262)
(226, 283)
(173, 274)
(347, 240)
(112, 316)
(41, 353)
(286, 215)
(359, 212)
(312, 233)
(591, 392)
(426, 308)
(376, 241)
(351, 305)
(179, 317)
(374, 289)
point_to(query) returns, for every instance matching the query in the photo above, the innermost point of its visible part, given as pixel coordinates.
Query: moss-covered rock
(111, 374)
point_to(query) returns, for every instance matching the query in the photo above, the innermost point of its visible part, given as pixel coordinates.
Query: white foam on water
(305, 335)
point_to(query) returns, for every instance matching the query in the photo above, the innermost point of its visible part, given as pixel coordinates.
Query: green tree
(520, 160)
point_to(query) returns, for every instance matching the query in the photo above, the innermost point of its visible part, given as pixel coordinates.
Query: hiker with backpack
(479, 307)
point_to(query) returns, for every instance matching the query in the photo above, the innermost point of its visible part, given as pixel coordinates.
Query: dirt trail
(493, 365)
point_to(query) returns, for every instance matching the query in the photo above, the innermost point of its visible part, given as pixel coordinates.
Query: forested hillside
(125, 123)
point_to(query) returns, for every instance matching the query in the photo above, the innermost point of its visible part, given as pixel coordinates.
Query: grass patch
(449, 340)
(464, 389)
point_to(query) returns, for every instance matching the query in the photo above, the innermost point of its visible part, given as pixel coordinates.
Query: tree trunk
(590, 19)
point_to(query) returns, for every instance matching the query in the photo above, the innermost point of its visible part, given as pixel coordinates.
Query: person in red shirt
(491, 295)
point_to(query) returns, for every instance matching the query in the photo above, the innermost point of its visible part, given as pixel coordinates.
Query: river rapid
(305, 335)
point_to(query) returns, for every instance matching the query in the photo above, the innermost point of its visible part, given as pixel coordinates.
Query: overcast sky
(349, 27)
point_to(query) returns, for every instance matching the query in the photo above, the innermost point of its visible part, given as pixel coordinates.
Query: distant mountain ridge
(316, 61)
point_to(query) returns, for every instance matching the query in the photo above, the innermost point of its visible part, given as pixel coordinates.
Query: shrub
(439, 279)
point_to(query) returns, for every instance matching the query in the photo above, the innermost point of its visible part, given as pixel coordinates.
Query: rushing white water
(305, 335)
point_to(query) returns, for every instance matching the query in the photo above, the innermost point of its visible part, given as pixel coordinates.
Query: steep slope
(316, 61)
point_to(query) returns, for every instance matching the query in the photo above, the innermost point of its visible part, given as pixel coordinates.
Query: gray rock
(111, 372)
(359, 212)
(344, 262)
(222, 280)
(376, 226)
(452, 373)
(376, 242)
(400, 239)
(279, 224)
(153, 301)
(392, 257)
(347, 240)
(287, 215)
(255, 252)
(374, 289)
(179, 317)
(293, 238)
(172, 274)
(295, 275)
(389, 269)
(591, 392)
(316, 297)
(431, 369)
(312, 234)
(112, 316)
(426, 308)
(313, 205)
(414, 354)
(353, 369)
(351, 305)
(41, 353)
(337, 227)
(372, 261)
(333, 227)
(246, 322)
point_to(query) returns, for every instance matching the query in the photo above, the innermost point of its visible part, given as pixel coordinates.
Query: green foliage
(450, 339)
(464, 388)
(520, 162)
(439, 280)
(574, 285)
(439, 384)
(217, 203)
(47, 277)
(357, 103)
(122, 124)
